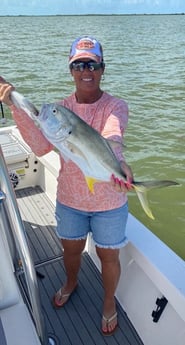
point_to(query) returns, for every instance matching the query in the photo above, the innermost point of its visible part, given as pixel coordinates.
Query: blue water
(144, 58)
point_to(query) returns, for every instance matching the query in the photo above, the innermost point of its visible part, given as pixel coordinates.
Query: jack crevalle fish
(79, 142)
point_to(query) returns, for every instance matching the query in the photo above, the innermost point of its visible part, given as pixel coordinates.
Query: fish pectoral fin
(142, 195)
(74, 149)
(90, 183)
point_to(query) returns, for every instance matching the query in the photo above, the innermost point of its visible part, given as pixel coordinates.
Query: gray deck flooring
(78, 322)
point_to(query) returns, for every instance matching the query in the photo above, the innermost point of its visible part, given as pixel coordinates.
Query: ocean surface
(145, 65)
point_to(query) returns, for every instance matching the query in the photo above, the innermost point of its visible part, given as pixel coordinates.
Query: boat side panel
(18, 327)
(9, 293)
(138, 294)
(150, 270)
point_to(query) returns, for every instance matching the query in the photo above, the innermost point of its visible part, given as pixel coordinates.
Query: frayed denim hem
(114, 246)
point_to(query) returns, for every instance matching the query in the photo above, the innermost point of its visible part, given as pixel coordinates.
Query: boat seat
(16, 326)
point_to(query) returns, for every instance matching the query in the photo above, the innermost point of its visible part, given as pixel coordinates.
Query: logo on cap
(85, 44)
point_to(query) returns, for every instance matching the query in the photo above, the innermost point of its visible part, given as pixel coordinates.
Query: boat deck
(78, 322)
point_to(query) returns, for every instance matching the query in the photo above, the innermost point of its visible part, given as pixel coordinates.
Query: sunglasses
(81, 65)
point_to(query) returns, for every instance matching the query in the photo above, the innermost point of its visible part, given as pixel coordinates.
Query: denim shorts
(107, 227)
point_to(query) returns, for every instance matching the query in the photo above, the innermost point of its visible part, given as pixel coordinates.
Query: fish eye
(54, 111)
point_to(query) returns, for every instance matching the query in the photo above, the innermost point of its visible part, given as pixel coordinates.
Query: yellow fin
(90, 182)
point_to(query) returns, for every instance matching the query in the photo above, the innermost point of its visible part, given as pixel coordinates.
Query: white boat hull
(150, 270)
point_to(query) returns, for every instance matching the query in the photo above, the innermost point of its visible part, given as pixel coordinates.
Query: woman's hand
(123, 185)
(5, 90)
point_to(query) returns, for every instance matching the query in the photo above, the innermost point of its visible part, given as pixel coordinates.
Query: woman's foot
(109, 319)
(109, 324)
(62, 296)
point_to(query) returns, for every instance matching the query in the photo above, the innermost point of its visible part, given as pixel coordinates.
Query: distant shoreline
(90, 15)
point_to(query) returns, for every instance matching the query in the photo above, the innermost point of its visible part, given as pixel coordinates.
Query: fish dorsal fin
(90, 183)
(113, 143)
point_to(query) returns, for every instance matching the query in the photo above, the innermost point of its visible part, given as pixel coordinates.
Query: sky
(53, 7)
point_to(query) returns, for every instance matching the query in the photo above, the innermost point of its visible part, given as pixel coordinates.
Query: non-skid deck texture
(78, 322)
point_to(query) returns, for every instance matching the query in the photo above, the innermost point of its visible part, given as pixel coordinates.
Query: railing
(19, 236)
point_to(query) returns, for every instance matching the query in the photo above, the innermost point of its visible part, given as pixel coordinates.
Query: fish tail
(141, 189)
(141, 192)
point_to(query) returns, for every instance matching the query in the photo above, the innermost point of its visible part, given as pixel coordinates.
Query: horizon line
(90, 14)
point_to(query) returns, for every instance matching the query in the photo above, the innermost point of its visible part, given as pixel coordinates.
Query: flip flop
(59, 296)
(108, 320)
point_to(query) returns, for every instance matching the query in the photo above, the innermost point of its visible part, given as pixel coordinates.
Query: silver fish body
(79, 142)
(93, 154)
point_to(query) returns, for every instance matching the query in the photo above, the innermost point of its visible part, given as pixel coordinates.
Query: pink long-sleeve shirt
(109, 116)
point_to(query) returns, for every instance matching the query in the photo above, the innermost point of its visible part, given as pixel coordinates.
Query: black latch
(161, 304)
(2, 196)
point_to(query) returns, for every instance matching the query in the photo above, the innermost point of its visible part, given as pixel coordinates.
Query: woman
(78, 211)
